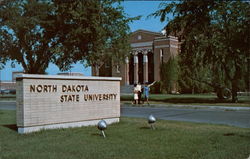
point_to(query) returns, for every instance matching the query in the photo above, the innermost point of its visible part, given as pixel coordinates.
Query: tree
(36, 33)
(169, 74)
(2, 62)
(97, 35)
(215, 34)
(28, 34)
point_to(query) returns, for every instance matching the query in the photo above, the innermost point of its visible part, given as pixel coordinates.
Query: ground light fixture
(102, 125)
(151, 121)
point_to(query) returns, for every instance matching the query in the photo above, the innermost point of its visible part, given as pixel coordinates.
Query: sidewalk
(189, 106)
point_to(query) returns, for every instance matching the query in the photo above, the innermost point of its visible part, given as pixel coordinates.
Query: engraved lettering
(45, 88)
(64, 88)
(39, 88)
(32, 88)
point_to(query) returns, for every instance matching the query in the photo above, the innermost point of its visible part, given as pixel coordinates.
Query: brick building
(149, 51)
(9, 85)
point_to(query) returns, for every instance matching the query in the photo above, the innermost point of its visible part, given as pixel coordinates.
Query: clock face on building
(139, 37)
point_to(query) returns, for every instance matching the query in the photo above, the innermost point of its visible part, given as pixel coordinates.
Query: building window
(161, 55)
(107, 65)
(139, 37)
(118, 68)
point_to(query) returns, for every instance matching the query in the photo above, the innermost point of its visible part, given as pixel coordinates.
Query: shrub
(156, 88)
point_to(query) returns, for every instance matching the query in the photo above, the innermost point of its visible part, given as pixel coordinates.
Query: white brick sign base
(48, 102)
(65, 125)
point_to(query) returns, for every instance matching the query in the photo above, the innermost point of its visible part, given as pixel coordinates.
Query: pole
(248, 77)
(103, 134)
(152, 126)
(0, 83)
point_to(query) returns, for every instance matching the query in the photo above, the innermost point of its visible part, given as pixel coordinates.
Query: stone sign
(55, 101)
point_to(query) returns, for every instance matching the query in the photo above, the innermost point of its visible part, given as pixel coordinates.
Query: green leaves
(97, 29)
(170, 74)
(216, 35)
(35, 33)
(29, 33)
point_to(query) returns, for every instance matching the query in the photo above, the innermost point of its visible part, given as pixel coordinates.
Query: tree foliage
(170, 74)
(97, 31)
(27, 34)
(36, 33)
(214, 35)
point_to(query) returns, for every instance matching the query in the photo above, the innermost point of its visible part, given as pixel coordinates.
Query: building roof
(146, 31)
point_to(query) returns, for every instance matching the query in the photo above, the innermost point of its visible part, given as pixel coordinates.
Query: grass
(131, 138)
(170, 99)
(194, 99)
(7, 97)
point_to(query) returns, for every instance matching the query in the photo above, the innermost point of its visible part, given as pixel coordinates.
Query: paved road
(7, 105)
(239, 118)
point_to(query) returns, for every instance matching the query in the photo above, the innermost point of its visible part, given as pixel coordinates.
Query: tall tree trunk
(234, 91)
(35, 70)
(235, 81)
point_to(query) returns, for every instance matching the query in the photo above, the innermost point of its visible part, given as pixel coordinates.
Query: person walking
(135, 94)
(146, 90)
(139, 89)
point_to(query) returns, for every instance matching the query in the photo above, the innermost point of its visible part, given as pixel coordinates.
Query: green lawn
(7, 97)
(170, 99)
(131, 138)
(194, 99)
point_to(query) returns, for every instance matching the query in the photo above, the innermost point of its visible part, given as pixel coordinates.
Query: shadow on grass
(96, 134)
(229, 134)
(11, 126)
(233, 134)
(145, 127)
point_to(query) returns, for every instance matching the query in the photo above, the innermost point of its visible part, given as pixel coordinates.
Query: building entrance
(141, 67)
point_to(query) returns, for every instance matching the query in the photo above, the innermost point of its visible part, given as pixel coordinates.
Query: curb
(213, 107)
(194, 106)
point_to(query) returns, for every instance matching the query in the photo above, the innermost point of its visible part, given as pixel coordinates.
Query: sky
(132, 9)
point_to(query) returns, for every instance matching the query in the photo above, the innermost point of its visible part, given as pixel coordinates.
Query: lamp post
(151, 121)
(248, 77)
(0, 83)
(70, 67)
(102, 125)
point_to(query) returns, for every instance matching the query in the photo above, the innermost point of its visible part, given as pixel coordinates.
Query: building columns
(145, 66)
(136, 67)
(127, 71)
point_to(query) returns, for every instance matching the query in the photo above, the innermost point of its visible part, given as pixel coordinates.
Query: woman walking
(146, 91)
(135, 94)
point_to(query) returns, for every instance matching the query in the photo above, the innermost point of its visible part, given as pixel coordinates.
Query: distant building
(149, 51)
(7, 85)
(11, 84)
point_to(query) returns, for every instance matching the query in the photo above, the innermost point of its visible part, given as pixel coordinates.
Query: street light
(248, 77)
(151, 121)
(102, 125)
(70, 67)
(0, 83)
